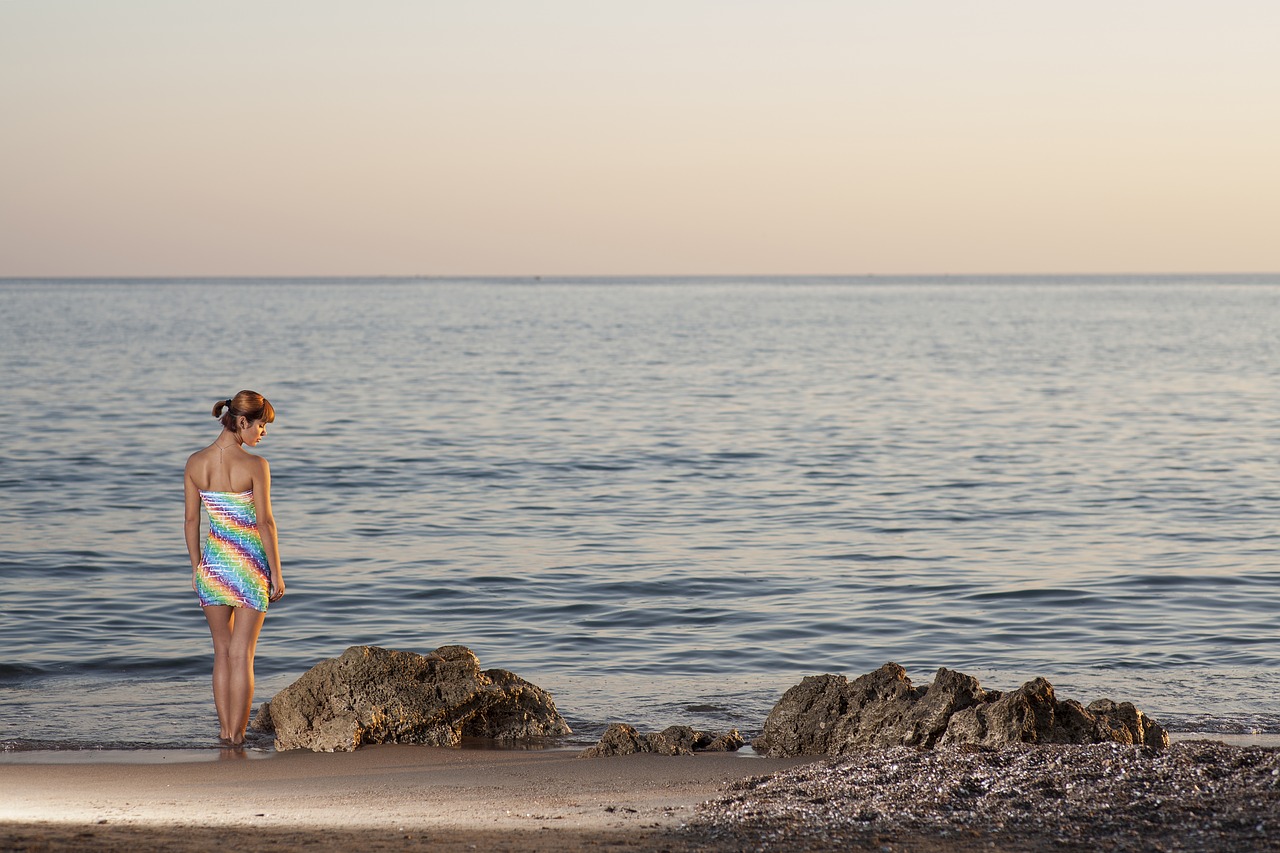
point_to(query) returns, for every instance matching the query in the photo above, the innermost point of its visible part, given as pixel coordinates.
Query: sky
(681, 137)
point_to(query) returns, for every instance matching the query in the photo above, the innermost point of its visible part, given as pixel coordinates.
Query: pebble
(1192, 796)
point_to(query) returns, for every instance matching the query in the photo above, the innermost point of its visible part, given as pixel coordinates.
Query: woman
(238, 570)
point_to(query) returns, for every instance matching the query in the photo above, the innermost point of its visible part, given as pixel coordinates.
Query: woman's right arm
(267, 525)
(191, 521)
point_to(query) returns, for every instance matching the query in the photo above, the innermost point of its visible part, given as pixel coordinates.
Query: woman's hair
(249, 404)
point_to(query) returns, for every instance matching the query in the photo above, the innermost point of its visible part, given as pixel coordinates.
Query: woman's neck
(228, 439)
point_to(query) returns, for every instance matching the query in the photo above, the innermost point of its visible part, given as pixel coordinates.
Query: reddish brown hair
(248, 404)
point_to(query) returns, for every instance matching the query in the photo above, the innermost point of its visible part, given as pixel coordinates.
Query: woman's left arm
(267, 525)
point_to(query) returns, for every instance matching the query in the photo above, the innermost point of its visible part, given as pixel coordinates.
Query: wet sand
(1197, 796)
(377, 798)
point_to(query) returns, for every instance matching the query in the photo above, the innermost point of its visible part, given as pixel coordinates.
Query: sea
(664, 500)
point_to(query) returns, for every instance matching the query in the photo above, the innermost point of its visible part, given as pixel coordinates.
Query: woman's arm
(267, 525)
(191, 521)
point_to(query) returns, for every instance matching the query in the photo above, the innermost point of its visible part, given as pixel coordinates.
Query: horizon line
(535, 277)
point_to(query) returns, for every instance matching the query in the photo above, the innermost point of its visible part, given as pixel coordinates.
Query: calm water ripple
(663, 500)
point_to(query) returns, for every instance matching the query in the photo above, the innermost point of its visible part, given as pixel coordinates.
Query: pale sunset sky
(591, 137)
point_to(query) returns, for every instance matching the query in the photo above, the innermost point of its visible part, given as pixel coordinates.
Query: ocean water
(664, 500)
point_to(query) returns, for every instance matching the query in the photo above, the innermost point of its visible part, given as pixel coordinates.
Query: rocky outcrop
(1032, 714)
(376, 695)
(829, 715)
(622, 739)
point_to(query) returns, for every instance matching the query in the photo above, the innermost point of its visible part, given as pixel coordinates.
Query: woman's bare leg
(235, 640)
(220, 617)
(246, 623)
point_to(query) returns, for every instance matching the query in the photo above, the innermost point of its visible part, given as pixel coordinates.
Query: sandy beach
(1198, 795)
(378, 798)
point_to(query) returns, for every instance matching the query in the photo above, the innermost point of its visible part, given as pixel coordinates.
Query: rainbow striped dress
(233, 565)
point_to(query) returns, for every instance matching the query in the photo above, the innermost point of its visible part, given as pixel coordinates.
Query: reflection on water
(53, 755)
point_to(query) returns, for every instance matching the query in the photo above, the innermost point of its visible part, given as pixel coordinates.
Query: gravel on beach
(1192, 796)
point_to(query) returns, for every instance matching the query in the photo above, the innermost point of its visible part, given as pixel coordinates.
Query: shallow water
(663, 500)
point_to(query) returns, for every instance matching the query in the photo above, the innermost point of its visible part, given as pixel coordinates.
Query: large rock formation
(622, 739)
(376, 695)
(828, 715)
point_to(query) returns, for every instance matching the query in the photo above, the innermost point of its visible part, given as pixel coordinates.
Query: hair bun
(247, 404)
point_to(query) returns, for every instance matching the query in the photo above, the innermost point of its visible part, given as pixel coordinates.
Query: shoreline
(403, 797)
(203, 755)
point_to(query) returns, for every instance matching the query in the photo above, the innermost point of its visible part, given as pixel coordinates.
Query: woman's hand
(277, 589)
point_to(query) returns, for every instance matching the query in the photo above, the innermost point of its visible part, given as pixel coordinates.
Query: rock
(1024, 716)
(262, 720)
(827, 715)
(618, 739)
(730, 741)
(376, 695)
(1032, 714)
(622, 739)
(678, 740)
(1126, 724)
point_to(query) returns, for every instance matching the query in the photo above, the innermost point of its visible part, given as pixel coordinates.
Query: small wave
(1176, 581)
(20, 745)
(475, 473)
(858, 557)
(1043, 595)
(1250, 724)
(10, 671)
(121, 666)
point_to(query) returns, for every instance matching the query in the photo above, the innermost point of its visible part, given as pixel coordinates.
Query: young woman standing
(237, 572)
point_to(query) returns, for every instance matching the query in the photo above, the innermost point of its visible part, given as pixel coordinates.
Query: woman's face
(253, 432)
